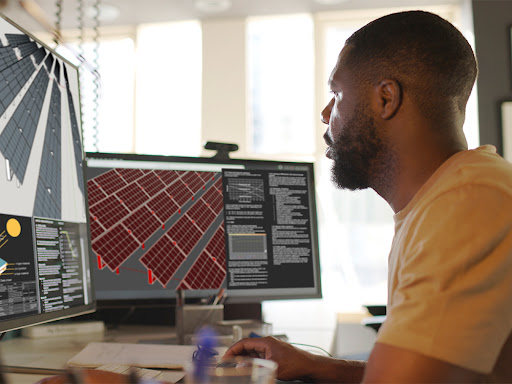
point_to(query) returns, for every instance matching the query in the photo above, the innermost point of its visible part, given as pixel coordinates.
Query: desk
(54, 352)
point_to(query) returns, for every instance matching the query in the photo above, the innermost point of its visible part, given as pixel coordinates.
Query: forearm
(330, 370)
(297, 364)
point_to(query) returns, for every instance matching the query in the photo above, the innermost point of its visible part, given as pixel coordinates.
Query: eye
(336, 94)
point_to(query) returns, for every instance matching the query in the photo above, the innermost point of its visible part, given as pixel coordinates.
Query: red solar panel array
(142, 223)
(201, 215)
(96, 229)
(168, 177)
(110, 182)
(95, 193)
(163, 206)
(164, 258)
(114, 246)
(213, 198)
(133, 196)
(185, 233)
(180, 193)
(130, 175)
(192, 181)
(129, 206)
(109, 211)
(206, 176)
(151, 184)
(209, 271)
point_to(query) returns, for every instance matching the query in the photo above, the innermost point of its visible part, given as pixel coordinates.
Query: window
(281, 84)
(149, 96)
(107, 126)
(113, 131)
(168, 96)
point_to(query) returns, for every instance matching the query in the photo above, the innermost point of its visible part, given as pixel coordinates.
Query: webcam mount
(222, 149)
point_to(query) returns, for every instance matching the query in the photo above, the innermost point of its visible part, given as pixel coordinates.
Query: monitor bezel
(238, 296)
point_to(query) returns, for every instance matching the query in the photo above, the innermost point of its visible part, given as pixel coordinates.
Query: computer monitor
(163, 224)
(44, 230)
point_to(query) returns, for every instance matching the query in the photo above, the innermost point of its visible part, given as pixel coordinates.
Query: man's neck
(413, 172)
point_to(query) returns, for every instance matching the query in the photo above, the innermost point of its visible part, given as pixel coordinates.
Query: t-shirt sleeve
(452, 293)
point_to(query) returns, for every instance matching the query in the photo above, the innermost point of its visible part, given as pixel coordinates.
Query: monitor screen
(44, 230)
(164, 224)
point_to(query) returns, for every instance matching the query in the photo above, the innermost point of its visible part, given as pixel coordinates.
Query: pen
(219, 296)
(40, 371)
(223, 298)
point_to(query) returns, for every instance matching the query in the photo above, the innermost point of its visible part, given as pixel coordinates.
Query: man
(400, 88)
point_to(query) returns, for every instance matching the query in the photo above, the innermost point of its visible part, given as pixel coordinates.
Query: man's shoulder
(481, 167)
(471, 176)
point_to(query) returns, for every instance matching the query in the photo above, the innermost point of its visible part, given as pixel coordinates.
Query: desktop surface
(53, 353)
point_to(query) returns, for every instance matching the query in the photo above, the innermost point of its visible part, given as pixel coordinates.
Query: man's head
(417, 54)
(426, 54)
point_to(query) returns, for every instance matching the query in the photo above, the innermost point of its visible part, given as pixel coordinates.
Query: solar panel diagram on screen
(38, 102)
(172, 221)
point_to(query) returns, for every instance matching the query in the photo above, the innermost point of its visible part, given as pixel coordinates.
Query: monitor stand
(192, 317)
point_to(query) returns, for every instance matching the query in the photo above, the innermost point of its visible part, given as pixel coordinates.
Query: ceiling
(133, 12)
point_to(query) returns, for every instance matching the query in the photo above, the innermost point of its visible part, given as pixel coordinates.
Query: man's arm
(389, 364)
(297, 364)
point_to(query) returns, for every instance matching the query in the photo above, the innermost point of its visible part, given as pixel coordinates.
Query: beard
(357, 152)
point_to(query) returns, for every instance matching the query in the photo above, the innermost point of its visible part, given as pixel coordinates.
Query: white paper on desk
(136, 355)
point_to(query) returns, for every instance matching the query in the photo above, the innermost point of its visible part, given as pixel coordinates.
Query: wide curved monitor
(164, 224)
(44, 230)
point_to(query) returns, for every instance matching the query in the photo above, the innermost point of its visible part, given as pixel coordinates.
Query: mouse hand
(293, 363)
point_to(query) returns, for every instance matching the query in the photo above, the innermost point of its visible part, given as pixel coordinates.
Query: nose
(326, 113)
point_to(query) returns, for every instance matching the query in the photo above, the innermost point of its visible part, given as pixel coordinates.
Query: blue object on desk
(204, 356)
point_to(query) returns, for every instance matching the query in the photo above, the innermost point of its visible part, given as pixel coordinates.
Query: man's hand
(293, 363)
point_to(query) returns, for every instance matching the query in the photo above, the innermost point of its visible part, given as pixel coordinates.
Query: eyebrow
(332, 84)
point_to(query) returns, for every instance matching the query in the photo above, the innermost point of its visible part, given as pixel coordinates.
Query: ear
(388, 95)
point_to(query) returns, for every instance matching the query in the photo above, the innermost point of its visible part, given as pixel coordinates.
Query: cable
(313, 346)
(95, 61)
(127, 315)
(80, 11)
(58, 21)
(81, 57)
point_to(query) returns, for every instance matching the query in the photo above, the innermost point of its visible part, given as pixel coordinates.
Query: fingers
(292, 363)
(254, 347)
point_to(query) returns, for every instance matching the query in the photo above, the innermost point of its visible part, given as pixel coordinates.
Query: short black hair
(426, 54)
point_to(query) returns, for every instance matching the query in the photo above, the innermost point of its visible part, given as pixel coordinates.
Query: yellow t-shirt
(450, 265)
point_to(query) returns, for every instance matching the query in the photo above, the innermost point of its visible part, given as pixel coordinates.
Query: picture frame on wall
(510, 54)
(506, 128)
